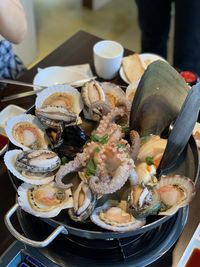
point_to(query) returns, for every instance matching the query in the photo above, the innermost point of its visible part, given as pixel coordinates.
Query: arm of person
(13, 24)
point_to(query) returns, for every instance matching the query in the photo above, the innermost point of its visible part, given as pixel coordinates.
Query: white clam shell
(184, 183)
(25, 205)
(10, 159)
(97, 220)
(77, 100)
(25, 118)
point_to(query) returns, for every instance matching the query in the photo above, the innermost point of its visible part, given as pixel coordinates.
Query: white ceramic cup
(107, 58)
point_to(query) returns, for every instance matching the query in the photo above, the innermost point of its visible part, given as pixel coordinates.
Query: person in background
(154, 18)
(13, 27)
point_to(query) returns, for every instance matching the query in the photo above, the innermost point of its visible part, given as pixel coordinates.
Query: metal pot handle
(27, 241)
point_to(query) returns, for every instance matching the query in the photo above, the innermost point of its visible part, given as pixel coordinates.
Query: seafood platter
(87, 159)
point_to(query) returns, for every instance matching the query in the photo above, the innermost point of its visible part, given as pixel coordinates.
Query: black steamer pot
(187, 165)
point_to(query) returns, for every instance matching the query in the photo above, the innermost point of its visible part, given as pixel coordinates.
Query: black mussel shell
(74, 139)
(158, 99)
(74, 136)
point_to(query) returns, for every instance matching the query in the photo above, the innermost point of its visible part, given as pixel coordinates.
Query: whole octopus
(107, 160)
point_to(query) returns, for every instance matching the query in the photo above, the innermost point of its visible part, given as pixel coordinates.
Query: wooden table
(77, 50)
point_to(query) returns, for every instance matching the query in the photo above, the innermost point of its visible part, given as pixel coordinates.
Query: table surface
(78, 50)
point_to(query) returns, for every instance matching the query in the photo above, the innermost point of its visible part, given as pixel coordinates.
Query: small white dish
(7, 113)
(123, 76)
(57, 75)
(146, 59)
(193, 244)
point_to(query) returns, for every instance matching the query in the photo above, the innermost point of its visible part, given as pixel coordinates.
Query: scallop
(60, 95)
(113, 93)
(115, 217)
(154, 147)
(175, 192)
(26, 131)
(33, 167)
(44, 201)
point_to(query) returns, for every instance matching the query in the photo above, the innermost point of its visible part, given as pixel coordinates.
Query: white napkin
(83, 68)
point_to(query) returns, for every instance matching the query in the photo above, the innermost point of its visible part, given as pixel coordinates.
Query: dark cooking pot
(159, 99)
(187, 165)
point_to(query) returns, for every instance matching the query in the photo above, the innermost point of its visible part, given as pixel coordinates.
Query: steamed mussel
(74, 138)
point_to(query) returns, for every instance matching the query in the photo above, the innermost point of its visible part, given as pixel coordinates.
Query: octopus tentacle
(99, 109)
(69, 167)
(120, 177)
(135, 144)
(107, 120)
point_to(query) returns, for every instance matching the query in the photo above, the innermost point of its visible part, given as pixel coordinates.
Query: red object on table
(189, 76)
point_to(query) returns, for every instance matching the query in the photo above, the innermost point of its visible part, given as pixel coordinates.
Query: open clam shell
(27, 132)
(60, 95)
(10, 161)
(84, 203)
(175, 191)
(96, 219)
(113, 93)
(91, 92)
(44, 201)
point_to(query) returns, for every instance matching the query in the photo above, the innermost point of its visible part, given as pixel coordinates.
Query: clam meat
(113, 93)
(91, 92)
(174, 192)
(84, 203)
(143, 201)
(153, 148)
(44, 200)
(146, 173)
(115, 217)
(29, 135)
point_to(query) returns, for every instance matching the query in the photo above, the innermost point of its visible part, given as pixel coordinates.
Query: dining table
(76, 50)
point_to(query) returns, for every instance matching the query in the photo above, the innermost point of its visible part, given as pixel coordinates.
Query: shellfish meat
(60, 95)
(84, 203)
(44, 200)
(113, 93)
(174, 192)
(91, 92)
(25, 131)
(144, 201)
(115, 217)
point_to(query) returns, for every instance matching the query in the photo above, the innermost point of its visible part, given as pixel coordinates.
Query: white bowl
(57, 75)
